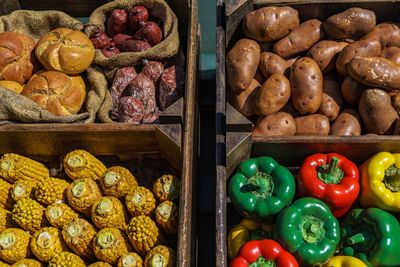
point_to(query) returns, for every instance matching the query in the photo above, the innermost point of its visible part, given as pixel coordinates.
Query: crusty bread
(11, 85)
(65, 50)
(57, 92)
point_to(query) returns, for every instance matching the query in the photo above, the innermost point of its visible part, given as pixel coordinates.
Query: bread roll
(65, 50)
(57, 92)
(16, 57)
(11, 85)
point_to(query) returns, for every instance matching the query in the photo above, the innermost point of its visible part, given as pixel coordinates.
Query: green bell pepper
(308, 230)
(261, 187)
(372, 235)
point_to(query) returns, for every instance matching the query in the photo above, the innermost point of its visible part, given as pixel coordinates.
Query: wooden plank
(235, 121)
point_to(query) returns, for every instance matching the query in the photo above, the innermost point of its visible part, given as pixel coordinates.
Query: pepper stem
(312, 229)
(263, 262)
(330, 173)
(356, 239)
(260, 184)
(392, 179)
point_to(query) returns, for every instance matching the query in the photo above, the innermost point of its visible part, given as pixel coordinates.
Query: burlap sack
(15, 107)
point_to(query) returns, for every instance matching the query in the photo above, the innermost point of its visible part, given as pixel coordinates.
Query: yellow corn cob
(3, 264)
(59, 214)
(6, 220)
(166, 188)
(110, 244)
(118, 182)
(100, 264)
(29, 215)
(14, 167)
(14, 245)
(80, 164)
(167, 215)
(6, 200)
(144, 234)
(160, 256)
(81, 194)
(109, 212)
(51, 190)
(78, 235)
(46, 243)
(27, 263)
(140, 202)
(66, 259)
(23, 189)
(130, 259)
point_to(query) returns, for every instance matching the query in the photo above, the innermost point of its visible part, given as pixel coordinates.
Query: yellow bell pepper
(244, 231)
(380, 182)
(344, 261)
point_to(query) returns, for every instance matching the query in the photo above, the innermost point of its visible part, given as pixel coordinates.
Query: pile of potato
(337, 77)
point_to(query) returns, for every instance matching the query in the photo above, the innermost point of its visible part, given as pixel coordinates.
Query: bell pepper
(380, 182)
(263, 253)
(245, 231)
(372, 235)
(332, 178)
(308, 230)
(261, 188)
(344, 261)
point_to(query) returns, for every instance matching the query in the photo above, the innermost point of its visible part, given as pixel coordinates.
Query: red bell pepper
(332, 178)
(260, 253)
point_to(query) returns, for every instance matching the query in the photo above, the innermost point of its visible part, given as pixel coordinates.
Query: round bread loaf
(57, 92)
(11, 85)
(16, 57)
(65, 50)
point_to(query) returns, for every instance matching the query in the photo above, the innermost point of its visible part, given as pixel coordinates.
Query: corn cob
(140, 202)
(130, 259)
(6, 200)
(167, 215)
(118, 182)
(46, 243)
(109, 212)
(81, 194)
(23, 189)
(60, 214)
(51, 190)
(6, 220)
(3, 264)
(110, 244)
(14, 167)
(79, 164)
(166, 188)
(144, 234)
(100, 264)
(66, 259)
(78, 235)
(160, 256)
(14, 245)
(29, 215)
(27, 263)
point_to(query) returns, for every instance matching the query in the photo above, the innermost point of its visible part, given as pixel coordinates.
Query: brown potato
(272, 95)
(351, 91)
(392, 54)
(278, 124)
(362, 48)
(395, 100)
(271, 63)
(376, 111)
(242, 63)
(325, 53)
(351, 23)
(375, 72)
(347, 124)
(307, 85)
(300, 39)
(244, 101)
(387, 34)
(315, 124)
(331, 99)
(270, 23)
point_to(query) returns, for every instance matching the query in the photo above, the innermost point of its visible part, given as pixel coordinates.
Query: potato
(351, 23)
(300, 39)
(242, 63)
(363, 48)
(315, 124)
(392, 54)
(270, 23)
(325, 53)
(376, 111)
(395, 100)
(347, 124)
(387, 34)
(271, 63)
(331, 99)
(273, 95)
(375, 72)
(278, 124)
(307, 85)
(351, 91)
(244, 101)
